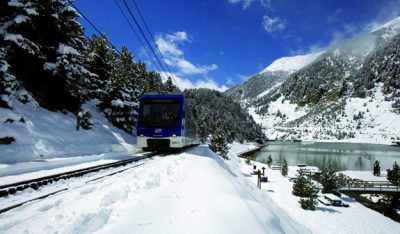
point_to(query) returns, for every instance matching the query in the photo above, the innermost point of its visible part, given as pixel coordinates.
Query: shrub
(308, 203)
(84, 120)
(6, 140)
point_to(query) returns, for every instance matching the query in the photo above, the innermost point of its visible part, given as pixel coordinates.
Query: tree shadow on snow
(326, 209)
(246, 175)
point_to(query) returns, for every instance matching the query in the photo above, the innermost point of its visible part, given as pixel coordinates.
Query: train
(166, 122)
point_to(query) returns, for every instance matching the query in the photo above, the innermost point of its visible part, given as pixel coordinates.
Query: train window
(160, 112)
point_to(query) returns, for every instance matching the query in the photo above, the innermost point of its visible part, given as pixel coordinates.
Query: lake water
(344, 156)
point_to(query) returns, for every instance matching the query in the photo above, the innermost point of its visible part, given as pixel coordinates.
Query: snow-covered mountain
(323, 96)
(291, 64)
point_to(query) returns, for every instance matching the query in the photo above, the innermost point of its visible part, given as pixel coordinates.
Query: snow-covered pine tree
(15, 48)
(377, 168)
(154, 83)
(219, 144)
(169, 87)
(70, 64)
(284, 167)
(393, 174)
(122, 94)
(329, 179)
(203, 131)
(101, 61)
(46, 35)
(8, 83)
(303, 186)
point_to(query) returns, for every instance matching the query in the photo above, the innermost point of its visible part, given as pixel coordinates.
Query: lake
(344, 156)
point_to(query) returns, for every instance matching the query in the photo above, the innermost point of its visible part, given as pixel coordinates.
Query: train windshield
(159, 112)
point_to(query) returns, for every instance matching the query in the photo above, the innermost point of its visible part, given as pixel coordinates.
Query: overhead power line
(93, 26)
(137, 35)
(152, 38)
(143, 35)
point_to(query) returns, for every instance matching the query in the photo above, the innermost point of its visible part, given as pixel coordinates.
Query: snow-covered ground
(291, 64)
(41, 135)
(191, 192)
(326, 219)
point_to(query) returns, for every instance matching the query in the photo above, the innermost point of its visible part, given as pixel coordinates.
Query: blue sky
(219, 43)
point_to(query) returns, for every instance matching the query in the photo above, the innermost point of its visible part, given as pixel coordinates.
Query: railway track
(10, 189)
(38, 182)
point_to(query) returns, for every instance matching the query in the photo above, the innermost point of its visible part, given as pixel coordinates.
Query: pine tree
(377, 168)
(169, 86)
(329, 180)
(394, 174)
(284, 167)
(219, 144)
(304, 187)
(122, 94)
(269, 161)
(154, 83)
(308, 203)
(203, 131)
(101, 61)
(46, 35)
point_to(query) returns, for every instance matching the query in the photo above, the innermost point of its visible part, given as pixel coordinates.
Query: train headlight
(141, 135)
(173, 135)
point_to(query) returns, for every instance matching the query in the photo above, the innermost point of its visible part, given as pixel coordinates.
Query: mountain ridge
(365, 67)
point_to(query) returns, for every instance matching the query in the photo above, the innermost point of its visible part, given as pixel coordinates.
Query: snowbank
(42, 135)
(193, 192)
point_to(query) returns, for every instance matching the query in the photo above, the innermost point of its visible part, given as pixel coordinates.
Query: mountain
(349, 92)
(268, 80)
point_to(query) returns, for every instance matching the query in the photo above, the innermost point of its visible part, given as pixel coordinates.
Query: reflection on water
(345, 156)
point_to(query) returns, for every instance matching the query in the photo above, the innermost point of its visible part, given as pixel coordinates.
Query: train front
(160, 122)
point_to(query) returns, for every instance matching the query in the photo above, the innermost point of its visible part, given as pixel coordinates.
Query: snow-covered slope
(291, 64)
(393, 25)
(193, 192)
(313, 100)
(41, 134)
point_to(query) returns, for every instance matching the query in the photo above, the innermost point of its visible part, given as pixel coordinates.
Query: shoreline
(335, 141)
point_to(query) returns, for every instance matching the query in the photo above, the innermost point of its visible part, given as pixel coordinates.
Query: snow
(192, 192)
(13, 37)
(378, 124)
(20, 19)
(65, 49)
(117, 103)
(15, 3)
(326, 219)
(365, 175)
(271, 120)
(47, 135)
(394, 24)
(292, 64)
(31, 11)
(195, 191)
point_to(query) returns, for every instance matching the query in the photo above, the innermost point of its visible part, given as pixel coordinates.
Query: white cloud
(230, 81)
(170, 46)
(247, 3)
(188, 68)
(206, 82)
(272, 24)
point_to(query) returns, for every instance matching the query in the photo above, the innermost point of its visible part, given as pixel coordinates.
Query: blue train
(165, 122)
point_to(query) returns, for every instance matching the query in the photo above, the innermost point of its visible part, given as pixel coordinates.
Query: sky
(218, 44)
